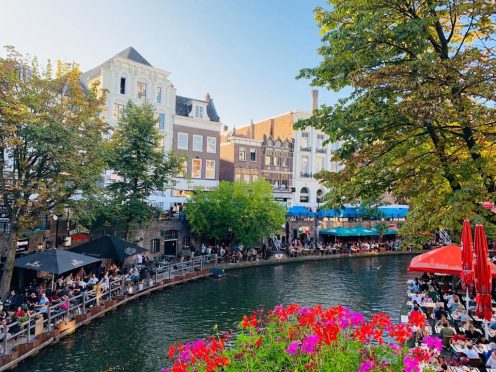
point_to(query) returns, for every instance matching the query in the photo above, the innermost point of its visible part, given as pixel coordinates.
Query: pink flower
(309, 343)
(433, 343)
(366, 366)
(411, 364)
(293, 347)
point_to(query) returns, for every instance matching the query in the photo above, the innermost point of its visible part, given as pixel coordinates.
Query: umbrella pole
(466, 300)
(53, 279)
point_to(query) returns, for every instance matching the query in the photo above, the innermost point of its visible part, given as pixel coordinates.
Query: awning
(357, 231)
(299, 211)
(109, 247)
(56, 261)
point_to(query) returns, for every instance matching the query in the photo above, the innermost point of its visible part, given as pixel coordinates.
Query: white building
(129, 76)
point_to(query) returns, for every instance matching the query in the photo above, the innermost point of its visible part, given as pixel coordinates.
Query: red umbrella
(444, 260)
(483, 282)
(467, 275)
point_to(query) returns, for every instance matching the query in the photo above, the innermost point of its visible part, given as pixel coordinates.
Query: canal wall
(290, 260)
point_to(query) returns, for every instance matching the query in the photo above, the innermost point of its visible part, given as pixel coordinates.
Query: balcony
(305, 148)
(305, 175)
(321, 151)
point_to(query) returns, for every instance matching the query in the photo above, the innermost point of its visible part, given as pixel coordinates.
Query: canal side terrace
(37, 332)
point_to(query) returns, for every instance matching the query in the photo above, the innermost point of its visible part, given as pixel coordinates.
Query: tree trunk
(9, 265)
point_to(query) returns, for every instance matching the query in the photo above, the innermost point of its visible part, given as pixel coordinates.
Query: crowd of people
(450, 315)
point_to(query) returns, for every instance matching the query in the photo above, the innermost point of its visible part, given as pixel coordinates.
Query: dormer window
(141, 93)
(199, 112)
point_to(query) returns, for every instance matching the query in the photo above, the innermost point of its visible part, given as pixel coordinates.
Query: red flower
(259, 342)
(381, 320)
(172, 350)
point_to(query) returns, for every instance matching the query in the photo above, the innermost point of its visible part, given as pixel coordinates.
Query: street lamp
(55, 218)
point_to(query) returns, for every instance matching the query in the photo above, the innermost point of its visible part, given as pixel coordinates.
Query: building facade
(190, 127)
(292, 157)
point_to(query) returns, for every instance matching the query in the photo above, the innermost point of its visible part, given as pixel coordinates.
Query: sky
(246, 54)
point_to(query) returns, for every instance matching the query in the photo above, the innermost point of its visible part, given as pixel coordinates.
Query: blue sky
(245, 53)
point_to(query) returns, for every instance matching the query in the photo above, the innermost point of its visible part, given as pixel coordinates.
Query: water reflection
(135, 337)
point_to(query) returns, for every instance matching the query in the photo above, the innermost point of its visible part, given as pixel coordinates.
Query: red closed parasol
(483, 283)
(467, 276)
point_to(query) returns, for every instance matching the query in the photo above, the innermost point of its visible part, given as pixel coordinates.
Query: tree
(420, 121)
(235, 212)
(51, 141)
(142, 166)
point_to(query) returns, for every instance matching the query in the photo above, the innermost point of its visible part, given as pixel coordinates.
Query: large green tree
(51, 141)
(141, 166)
(420, 121)
(235, 212)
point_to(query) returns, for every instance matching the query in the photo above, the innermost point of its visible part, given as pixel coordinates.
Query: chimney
(207, 97)
(315, 99)
(271, 132)
(252, 130)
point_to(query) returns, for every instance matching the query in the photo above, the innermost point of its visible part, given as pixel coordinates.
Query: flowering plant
(295, 338)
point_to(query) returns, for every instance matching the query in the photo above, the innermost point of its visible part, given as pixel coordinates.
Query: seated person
(417, 298)
(470, 352)
(439, 312)
(441, 321)
(3, 313)
(33, 299)
(491, 361)
(472, 333)
(19, 313)
(446, 330)
(489, 352)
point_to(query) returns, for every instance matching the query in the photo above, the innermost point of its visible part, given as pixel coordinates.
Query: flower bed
(295, 338)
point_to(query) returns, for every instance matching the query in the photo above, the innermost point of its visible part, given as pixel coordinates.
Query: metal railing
(47, 318)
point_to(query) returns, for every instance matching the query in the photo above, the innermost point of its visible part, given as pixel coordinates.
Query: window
(199, 112)
(242, 153)
(277, 158)
(284, 159)
(183, 170)
(319, 163)
(197, 143)
(212, 144)
(169, 234)
(320, 196)
(304, 195)
(154, 245)
(186, 241)
(196, 165)
(210, 169)
(304, 140)
(253, 154)
(159, 94)
(123, 85)
(118, 111)
(238, 177)
(320, 141)
(304, 169)
(254, 178)
(161, 121)
(141, 90)
(268, 157)
(182, 141)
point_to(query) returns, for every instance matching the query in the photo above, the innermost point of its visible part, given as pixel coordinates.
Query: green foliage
(51, 142)
(138, 159)
(420, 120)
(235, 212)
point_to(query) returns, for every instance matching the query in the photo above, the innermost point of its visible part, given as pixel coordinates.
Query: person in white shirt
(418, 298)
(43, 299)
(81, 283)
(491, 361)
(93, 280)
(139, 259)
(470, 352)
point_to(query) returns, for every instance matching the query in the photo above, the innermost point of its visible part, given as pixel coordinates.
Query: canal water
(136, 336)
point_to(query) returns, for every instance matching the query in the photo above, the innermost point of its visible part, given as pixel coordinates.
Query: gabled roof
(184, 105)
(128, 53)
